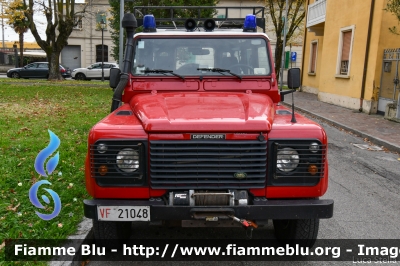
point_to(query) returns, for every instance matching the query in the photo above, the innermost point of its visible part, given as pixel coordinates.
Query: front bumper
(264, 210)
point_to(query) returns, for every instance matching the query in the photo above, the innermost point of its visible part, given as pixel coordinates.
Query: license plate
(123, 213)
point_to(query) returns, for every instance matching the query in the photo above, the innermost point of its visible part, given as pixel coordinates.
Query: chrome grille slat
(195, 164)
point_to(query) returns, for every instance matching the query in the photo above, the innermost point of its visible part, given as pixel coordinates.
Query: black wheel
(15, 75)
(80, 76)
(110, 234)
(302, 232)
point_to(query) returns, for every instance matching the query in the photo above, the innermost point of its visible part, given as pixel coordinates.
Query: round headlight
(287, 159)
(102, 148)
(128, 160)
(314, 147)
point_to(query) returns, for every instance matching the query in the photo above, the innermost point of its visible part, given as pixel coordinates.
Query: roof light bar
(250, 23)
(149, 23)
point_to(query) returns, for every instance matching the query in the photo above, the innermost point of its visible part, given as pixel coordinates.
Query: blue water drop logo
(35, 201)
(45, 153)
(50, 167)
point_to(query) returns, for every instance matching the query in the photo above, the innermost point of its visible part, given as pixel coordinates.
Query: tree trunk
(54, 65)
(21, 49)
(278, 58)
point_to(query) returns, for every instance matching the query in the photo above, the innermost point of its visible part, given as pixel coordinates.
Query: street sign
(293, 56)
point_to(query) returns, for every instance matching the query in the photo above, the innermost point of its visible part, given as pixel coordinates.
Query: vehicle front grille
(208, 164)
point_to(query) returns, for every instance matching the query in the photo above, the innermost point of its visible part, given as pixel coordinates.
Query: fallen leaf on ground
(14, 209)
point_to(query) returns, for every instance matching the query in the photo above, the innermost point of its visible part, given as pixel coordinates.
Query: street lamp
(103, 26)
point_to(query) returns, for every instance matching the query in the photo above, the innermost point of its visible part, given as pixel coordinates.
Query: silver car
(93, 71)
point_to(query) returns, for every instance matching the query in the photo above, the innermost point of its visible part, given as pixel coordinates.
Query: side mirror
(293, 78)
(89, 68)
(115, 75)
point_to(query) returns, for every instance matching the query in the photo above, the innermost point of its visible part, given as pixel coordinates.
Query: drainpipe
(364, 79)
(304, 47)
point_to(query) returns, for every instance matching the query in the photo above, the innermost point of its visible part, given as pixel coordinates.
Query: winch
(208, 198)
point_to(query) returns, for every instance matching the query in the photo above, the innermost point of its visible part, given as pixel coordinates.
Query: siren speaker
(190, 24)
(209, 24)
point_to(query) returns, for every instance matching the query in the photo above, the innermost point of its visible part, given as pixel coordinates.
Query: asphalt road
(364, 184)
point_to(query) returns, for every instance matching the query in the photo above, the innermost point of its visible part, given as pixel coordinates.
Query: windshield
(242, 56)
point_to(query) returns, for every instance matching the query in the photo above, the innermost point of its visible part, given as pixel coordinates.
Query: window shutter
(313, 57)
(346, 45)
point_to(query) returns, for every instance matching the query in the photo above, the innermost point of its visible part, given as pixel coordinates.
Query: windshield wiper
(163, 71)
(220, 70)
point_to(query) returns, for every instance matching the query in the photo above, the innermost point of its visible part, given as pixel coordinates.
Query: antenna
(293, 117)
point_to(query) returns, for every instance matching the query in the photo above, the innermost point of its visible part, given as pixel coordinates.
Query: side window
(345, 49)
(313, 58)
(31, 66)
(43, 66)
(77, 23)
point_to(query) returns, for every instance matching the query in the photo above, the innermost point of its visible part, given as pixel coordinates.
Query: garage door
(71, 56)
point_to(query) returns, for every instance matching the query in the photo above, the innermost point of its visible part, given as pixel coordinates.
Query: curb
(390, 146)
(84, 235)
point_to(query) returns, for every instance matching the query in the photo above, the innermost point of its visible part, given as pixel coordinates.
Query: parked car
(93, 71)
(36, 70)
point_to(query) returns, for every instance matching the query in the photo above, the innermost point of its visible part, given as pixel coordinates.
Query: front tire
(15, 75)
(110, 234)
(80, 76)
(301, 231)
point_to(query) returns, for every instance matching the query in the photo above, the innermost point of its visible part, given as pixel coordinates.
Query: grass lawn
(28, 109)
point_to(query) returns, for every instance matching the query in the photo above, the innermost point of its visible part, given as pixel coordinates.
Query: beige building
(344, 54)
(84, 44)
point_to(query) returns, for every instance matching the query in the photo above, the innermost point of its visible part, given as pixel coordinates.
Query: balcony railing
(316, 13)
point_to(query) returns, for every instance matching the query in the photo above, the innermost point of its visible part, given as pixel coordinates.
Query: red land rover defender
(196, 134)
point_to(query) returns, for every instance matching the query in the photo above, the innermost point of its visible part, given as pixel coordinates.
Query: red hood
(204, 112)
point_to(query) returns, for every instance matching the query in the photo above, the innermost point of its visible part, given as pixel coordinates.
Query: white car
(93, 71)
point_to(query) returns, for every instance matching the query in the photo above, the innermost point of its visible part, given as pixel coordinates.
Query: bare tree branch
(296, 14)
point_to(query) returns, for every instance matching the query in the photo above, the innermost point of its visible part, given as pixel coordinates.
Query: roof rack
(224, 18)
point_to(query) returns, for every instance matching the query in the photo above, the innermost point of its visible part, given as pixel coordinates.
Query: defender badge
(207, 136)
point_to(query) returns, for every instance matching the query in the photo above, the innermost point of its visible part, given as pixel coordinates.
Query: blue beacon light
(250, 24)
(149, 23)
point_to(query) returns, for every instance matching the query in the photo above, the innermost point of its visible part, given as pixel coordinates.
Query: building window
(78, 23)
(313, 57)
(345, 50)
(98, 53)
